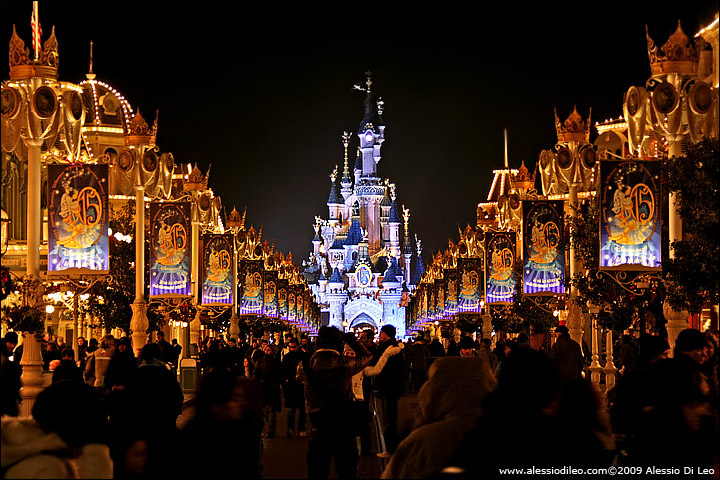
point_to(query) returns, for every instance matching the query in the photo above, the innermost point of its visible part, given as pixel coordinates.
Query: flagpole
(36, 30)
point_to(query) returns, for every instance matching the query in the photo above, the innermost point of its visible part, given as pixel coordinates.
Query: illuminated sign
(630, 237)
(543, 247)
(500, 267)
(364, 276)
(217, 269)
(171, 254)
(78, 219)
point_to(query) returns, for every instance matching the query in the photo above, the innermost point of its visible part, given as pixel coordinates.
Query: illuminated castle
(359, 271)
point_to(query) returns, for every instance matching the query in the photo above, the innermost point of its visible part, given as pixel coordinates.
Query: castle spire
(90, 75)
(346, 181)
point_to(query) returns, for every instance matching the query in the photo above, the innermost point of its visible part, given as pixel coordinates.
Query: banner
(543, 247)
(283, 299)
(78, 219)
(292, 313)
(440, 289)
(451, 297)
(270, 296)
(170, 249)
(217, 286)
(500, 260)
(251, 277)
(630, 237)
(432, 301)
(424, 307)
(470, 293)
(300, 305)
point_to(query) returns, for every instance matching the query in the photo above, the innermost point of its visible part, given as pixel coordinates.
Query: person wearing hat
(567, 356)
(467, 347)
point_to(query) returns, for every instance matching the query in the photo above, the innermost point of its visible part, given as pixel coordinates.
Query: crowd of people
(110, 414)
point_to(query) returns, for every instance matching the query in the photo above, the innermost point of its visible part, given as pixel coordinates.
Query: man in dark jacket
(567, 356)
(390, 384)
(327, 377)
(294, 391)
(418, 357)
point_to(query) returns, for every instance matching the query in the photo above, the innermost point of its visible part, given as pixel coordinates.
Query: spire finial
(368, 74)
(91, 75)
(333, 175)
(507, 165)
(406, 217)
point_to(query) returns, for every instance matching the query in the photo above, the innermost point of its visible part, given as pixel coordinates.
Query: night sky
(264, 94)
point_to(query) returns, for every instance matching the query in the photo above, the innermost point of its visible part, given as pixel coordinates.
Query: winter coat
(568, 358)
(29, 452)
(390, 383)
(328, 387)
(96, 366)
(370, 371)
(294, 390)
(448, 407)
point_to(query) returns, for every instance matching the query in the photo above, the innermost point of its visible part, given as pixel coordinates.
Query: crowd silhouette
(478, 409)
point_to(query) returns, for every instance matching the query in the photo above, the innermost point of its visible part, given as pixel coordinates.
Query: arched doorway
(363, 322)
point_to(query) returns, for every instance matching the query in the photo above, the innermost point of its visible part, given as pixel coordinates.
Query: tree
(694, 272)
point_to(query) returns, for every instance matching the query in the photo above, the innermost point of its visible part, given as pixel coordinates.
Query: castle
(360, 270)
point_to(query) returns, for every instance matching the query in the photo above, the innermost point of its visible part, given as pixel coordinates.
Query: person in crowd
(390, 384)
(567, 355)
(293, 390)
(436, 349)
(267, 372)
(226, 424)
(98, 361)
(467, 347)
(10, 342)
(418, 357)
(628, 355)
(485, 352)
(165, 347)
(82, 347)
(677, 426)
(453, 349)
(130, 456)
(327, 376)
(234, 355)
(362, 414)
(68, 369)
(72, 444)
(120, 371)
(306, 346)
(50, 351)
(10, 373)
(527, 383)
(627, 399)
(583, 429)
(710, 370)
(522, 340)
(175, 351)
(154, 400)
(449, 405)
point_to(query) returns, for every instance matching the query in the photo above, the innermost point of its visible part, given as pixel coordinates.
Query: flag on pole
(36, 30)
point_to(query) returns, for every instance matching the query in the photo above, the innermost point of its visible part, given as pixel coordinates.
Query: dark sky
(264, 93)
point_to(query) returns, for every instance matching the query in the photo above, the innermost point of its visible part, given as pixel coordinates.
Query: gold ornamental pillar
(139, 323)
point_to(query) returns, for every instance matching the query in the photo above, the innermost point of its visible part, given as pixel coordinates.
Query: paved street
(284, 457)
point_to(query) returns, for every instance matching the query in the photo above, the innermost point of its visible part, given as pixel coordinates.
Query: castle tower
(390, 295)
(346, 181)
(407, 247)
(336, 297)
(334, 202)
(394, 225)
(369, 188)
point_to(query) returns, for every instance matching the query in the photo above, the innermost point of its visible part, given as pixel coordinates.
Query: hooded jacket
(29, 452)
(448, 407)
